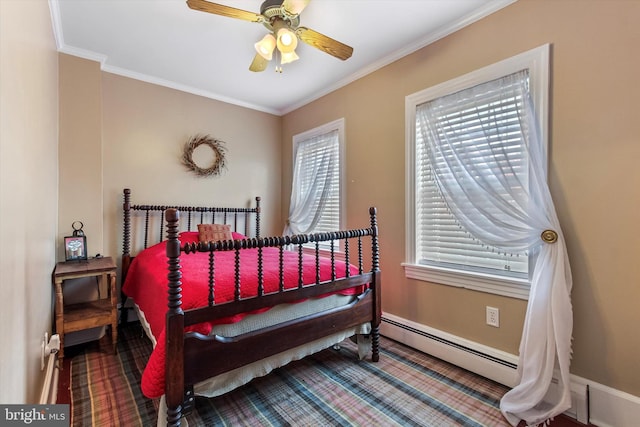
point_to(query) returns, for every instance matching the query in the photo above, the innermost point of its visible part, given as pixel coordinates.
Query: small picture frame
(75, 248)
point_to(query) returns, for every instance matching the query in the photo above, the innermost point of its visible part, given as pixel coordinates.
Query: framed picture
(75, 248)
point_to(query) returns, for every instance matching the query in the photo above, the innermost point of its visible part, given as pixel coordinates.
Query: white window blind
(318, 159)
(486, 119)
(317, 190)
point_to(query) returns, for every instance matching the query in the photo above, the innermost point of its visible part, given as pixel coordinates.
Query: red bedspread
(146, 284)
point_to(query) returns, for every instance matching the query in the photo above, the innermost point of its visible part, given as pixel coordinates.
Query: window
(317, 192)
(439, 249)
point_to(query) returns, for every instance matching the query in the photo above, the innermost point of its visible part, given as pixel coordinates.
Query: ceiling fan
(282, 19)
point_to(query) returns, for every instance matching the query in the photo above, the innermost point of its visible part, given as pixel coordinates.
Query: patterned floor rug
(331, 388)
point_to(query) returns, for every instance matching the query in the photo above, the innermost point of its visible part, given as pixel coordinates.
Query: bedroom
(592, 149)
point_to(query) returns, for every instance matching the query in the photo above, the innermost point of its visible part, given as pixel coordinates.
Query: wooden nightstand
(85, 315)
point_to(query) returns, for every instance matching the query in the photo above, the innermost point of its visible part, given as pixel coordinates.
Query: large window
(479, 112)
(317, 192)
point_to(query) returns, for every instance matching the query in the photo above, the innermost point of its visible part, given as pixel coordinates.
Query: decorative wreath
(218, 149)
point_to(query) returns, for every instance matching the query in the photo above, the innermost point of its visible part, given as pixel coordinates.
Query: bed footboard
(188, 354)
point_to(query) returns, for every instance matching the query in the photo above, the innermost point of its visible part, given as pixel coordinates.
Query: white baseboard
(499, 366)
(612, 408)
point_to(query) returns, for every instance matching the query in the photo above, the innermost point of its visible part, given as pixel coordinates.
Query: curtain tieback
(549, 236)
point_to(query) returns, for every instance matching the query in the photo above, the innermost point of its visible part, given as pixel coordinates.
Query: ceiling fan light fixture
(288, 57)
(287, 41)
(266, 46)
(282, 19)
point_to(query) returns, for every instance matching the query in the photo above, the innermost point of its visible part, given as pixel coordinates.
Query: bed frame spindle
(359, 254)
(300, 281)
(346, 257)
(246, 223)
(333, 260)
(161, 224)
(212, 279)
(236, 295)
(281, 266)
(146, 227)
(317, 253)
(260, 270)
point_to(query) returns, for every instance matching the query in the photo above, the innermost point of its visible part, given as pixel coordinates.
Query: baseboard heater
(452, 344)
(494, 364)
(486, 361)
(49, 360)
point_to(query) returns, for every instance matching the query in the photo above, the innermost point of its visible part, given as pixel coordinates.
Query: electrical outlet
(493, 316)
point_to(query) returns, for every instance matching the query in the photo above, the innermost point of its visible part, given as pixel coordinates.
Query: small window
(317, 192)
(476, 110)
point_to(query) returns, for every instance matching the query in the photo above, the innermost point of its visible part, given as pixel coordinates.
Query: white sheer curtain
(510, 208)
(316, 166)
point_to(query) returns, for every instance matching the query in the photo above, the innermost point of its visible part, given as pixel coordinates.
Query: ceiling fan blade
(220, 9)
(258, 63)
(294, 7)
(324, 43)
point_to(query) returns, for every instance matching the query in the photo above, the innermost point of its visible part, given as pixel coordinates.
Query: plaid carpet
(330, 388)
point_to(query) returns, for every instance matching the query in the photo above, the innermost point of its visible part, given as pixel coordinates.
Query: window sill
(514, 288)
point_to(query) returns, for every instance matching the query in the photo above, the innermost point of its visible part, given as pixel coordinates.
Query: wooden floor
(64, 383)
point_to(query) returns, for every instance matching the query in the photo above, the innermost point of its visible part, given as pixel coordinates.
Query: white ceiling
(165, 42)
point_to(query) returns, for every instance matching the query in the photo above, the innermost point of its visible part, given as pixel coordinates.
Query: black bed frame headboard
(193, 214)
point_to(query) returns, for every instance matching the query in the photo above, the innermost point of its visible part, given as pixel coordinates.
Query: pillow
(214, 232)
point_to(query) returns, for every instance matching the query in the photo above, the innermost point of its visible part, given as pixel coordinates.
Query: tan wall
(80, 152)
(144, 130)
(131, 135)
(593, 177)
(28, 193)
